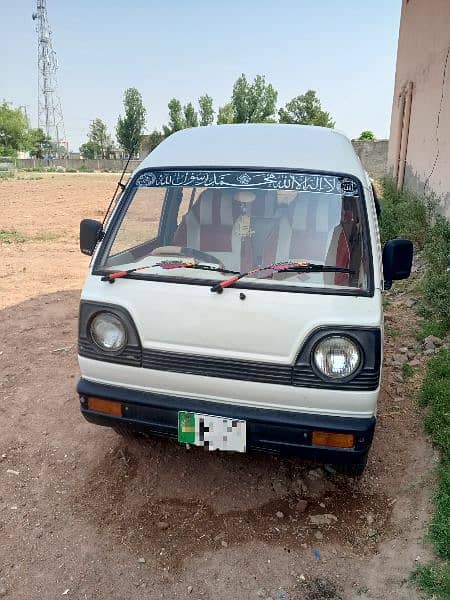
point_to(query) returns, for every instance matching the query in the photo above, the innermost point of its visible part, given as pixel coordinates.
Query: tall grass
(405, 214)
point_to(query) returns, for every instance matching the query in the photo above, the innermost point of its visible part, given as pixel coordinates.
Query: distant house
(419, 145)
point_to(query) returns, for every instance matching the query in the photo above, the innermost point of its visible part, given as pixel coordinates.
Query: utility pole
(50, 117)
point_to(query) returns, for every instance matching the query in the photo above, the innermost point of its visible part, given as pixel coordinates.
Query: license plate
(214, 433)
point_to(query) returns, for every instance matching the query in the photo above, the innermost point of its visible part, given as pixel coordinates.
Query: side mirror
(397, 261)
(90, 233)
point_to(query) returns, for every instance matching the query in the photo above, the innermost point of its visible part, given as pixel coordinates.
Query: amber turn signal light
(105, 406)
(336, 440)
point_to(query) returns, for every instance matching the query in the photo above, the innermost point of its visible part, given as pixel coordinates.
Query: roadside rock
(162, 525)
(301, 506)
(432, 340)
(399, 359)
(325, 519)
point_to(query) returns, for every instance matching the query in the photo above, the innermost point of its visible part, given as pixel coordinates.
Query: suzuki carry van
(234, 299)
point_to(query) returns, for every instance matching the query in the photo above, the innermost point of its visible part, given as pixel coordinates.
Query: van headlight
(108, 332)
(337, 357)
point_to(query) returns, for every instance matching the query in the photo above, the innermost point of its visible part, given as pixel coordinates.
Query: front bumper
(279, 431)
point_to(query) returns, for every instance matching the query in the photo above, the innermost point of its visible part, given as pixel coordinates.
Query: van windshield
(240, 220)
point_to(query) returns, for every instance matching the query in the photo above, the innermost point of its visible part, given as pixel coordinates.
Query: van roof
(273, 146)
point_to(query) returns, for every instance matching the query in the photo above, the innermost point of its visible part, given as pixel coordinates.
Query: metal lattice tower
(50, 117)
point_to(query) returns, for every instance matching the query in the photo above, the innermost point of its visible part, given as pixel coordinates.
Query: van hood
(266, 325)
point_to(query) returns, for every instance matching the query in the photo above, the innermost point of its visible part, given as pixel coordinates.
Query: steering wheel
(188, 253)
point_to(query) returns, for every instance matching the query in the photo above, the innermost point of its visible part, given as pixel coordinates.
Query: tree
(130, 127)
(98, 134)
(152, 140)
(226, 114)
(176, 118)
(367, 135)
(253, 102)
(206, 110)
(13, 130)
(305, 110)
(38, 143)
(89, 150)
(190, 116)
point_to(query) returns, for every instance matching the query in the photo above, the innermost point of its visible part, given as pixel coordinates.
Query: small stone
(322, 504)
(429, 351)
(399, 359)
(12, 472)
(279, 514)
(224, 544)
(141, 560)
(315, 474)
(410, 302)
(370, 519)
(318, 535)
(325, 519)
(190, 588)
(162, 525)
(404, 350)
(414, 363)
(261, 593)
(433, 339)
(372, 533)
(301, 506)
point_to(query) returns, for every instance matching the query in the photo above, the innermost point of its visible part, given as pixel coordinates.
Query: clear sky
(343, 49)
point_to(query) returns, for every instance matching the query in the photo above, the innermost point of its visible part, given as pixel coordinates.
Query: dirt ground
(87, 515)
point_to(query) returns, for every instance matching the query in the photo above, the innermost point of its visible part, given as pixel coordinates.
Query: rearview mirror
(90, 233)
(397, 261)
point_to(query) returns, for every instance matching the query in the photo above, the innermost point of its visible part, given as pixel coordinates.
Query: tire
(354, 470)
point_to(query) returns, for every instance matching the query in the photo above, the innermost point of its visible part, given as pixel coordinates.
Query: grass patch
(407, 371)
(7, 175)
(391, 331)
(405, 214)
(435, 395)
(48, 236)
(12, 236)
(434, 580)
(426, 328)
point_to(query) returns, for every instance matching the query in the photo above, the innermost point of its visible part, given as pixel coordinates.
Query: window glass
(239, 227)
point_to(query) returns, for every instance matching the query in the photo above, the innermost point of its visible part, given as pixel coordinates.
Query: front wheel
(354, 470)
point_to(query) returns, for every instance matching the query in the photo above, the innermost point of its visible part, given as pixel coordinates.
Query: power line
(50, 116)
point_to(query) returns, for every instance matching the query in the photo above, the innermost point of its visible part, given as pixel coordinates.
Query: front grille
(304, 376)
(130, 356)
(217, 367)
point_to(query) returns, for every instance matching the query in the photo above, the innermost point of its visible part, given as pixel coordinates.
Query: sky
(343, 49)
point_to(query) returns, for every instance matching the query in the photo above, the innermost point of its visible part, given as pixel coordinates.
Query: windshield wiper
(168, 265)
(282, 267)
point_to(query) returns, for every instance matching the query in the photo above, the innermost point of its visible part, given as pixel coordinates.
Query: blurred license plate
(215, 433)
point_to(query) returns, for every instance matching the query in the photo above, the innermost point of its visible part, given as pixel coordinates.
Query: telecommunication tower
(50, 117)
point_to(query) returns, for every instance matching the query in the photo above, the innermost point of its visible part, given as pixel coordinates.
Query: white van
(234, 300)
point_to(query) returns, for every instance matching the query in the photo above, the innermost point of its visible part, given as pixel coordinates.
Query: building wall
(423, 48)
(373, 156)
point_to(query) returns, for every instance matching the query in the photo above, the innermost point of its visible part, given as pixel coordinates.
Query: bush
(436, 281)
(403, 215)
(85, 169)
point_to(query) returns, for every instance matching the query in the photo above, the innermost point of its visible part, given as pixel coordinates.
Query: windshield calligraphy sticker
(301, 182)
